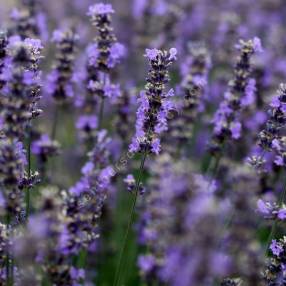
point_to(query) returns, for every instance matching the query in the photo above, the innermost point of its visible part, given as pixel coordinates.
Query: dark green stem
(131, 217)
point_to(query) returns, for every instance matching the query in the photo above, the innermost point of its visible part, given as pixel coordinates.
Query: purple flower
(263, 208)
(92, 52)
(117, 52)
(257, 45)
(87, 122)
(235, 129)
(156, 146)
(146, 263)
(151, 54)
(100, 9)
(154, 103)
(250, 90)
(276, 248)
(282, 214)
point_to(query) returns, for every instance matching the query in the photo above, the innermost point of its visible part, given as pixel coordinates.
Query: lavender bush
(142, 143)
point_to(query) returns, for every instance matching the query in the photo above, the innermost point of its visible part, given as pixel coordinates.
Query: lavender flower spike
(241, 89)
(154, 102)
(60, 79)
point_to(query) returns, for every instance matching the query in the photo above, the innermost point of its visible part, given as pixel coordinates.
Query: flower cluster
(86, 198)
(175, 224)
(271, 210)
(155, 103)
(106, 52)
(193, 86)
(25, 23)
(3, 252)
(19, 100)
(45, 148)
(240, 94)
(12, 164)
(3, 54)
(271, 138)
(61, 78)
(49, 224)
(124, 105)
(275, 272)
(21, 93)
(103, 55)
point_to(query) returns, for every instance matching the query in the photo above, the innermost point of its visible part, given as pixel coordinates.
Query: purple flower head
(100, 9)
(117, 52)
(87, 169)
(173, 54)
(35, 45)
(92, 54)
(129, 179)
(87, 122)
(146, 263)
(282, 213)
(156, 146)
(276, 248)
(151, 54)
(235, 129)
(250, 90)
(45, 148)
(257, 45)
(155, 103)
(77, 273)
(239, 95)
(263, 207)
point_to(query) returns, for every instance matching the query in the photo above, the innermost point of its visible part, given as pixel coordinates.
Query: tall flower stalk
(151, 122)
(103, 56)
(227, 125)
(60, 80)
(17, 108)
(272, 140)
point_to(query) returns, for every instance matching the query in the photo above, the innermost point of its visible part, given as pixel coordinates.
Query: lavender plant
(150, 123)
(200, 215)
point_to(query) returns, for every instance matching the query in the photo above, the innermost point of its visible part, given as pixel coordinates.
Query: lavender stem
(118, 274)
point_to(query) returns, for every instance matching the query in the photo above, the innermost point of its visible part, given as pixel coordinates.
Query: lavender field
(143, 143)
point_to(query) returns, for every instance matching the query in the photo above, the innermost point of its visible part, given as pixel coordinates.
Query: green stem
(118, 275)
(81, 259)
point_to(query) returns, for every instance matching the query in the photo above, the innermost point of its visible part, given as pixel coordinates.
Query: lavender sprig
(275, 272)
(103, 56)
(151, 122)
(60, 79)
(154, 103)
(226, 121)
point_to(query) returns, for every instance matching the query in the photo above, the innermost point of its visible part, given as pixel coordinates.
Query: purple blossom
(87, 122)
(146, 263)
(100, 9)
(276, 248)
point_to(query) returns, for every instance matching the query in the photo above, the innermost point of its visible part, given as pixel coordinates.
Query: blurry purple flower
(146, 263)
(276, 247)
(87, 122)
(100, 9)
